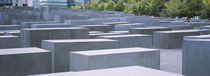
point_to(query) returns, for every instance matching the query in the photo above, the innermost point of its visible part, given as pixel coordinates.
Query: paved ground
(171, 60)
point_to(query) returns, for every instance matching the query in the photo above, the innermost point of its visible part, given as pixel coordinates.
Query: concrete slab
(95, 32)
(148, 30)
(172, 39)
(24, 61)
(126, 27)
(9, 27)
(34, 36)
(114, 23)
(103, 28)
(93, 36)
(112, 58)
(196, 57)
(9, 41)
(10, 32)
(181, 27)
(132, 40)
(50, 25)
(61, 49)
(123, 71)
(197, 37)
(28, 24)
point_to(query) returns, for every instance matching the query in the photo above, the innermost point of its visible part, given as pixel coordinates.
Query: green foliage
(120, 6)
(144, 7)
(205, 13)
(173, 8)
(156, 7)
(110, 5)
(101, 6)
(192, 7)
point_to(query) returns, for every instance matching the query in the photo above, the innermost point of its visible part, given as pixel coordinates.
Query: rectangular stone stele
(34, 36)
(61, 48)
(132, 40)
(172, 39)
(9, 41)
(196, 57)
(28, 24)
(103, 28)
(148, 30)
(126, 27)
(9, 27)
(50, 25)
(122, 71)
(111, 58)
(24, 61)
(95, 35)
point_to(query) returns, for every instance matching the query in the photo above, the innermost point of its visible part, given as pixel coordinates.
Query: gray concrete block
(24, 61)
(132, 40)
(172, 39)
(181, 27)
(148, 30)
(205, 27)
(197, 37)
(122, 71)
(28, 24)
(112, 58)
(95, 32)
(103, 28)
(93, 36)
(125, 32)
(50, 25)
(34, 36)
(114, 23)
(61, 49)
(196, 56)
(10, 32)
(126, 27)
(9, 41)
(9, 27)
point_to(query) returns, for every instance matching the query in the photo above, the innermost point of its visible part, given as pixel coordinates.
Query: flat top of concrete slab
(9, 25)
(152, 28)
(128, 35)
(119, 32)
(201, 36)
(60, 28)
(122, 71)
(52, 24)
(114, 51)
(131, 24)
(180, 26)
(40, 22)
(100, 34)
(10, 31)
(199, 40)
(92, 25)
(178, 31)
(109, 23)
(21, 51)
(95, 32)
(7, 36)
(206, 26)
(79, 40)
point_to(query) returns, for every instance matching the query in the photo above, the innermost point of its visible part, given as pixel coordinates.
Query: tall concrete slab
(61, 49)
(126, 27)
(33, 37)
(54, 25)
(112, 58)
(103, 28)
(132, 40)
(28, 24)
(196, 56)
(24, 61)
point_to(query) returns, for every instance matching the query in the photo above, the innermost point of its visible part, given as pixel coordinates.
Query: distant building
(53, 3)
(13, 3)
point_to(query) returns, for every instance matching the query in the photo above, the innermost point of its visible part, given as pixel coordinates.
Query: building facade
(53, 3)
(13, 3)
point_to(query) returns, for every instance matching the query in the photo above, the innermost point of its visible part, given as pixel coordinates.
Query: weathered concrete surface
(34, 36)
(123, 71)
(132, 40)
(103, 28)
(114, 23)
(10, 32)
(93, 36)
(54, 25)
(198, 37)
(24, 61)
(181, 27)
(112, 58)
(148, 30)
(196, 56)
(95, 32)
(126, 27)
(9, 27)
(9, 41)
(28, 24)
(61, 49)
(171, 39)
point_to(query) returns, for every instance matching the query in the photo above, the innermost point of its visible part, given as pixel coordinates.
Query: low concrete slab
(9, 41)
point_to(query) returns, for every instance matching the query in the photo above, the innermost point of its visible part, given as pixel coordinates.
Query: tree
(192, 7)
(205, 13)
(156, 7)
(143, 7)
(110, 5)
(129, 7)
(120, 6)
(106, 6)
(94, 5)
(173, 8)
(101, 6)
